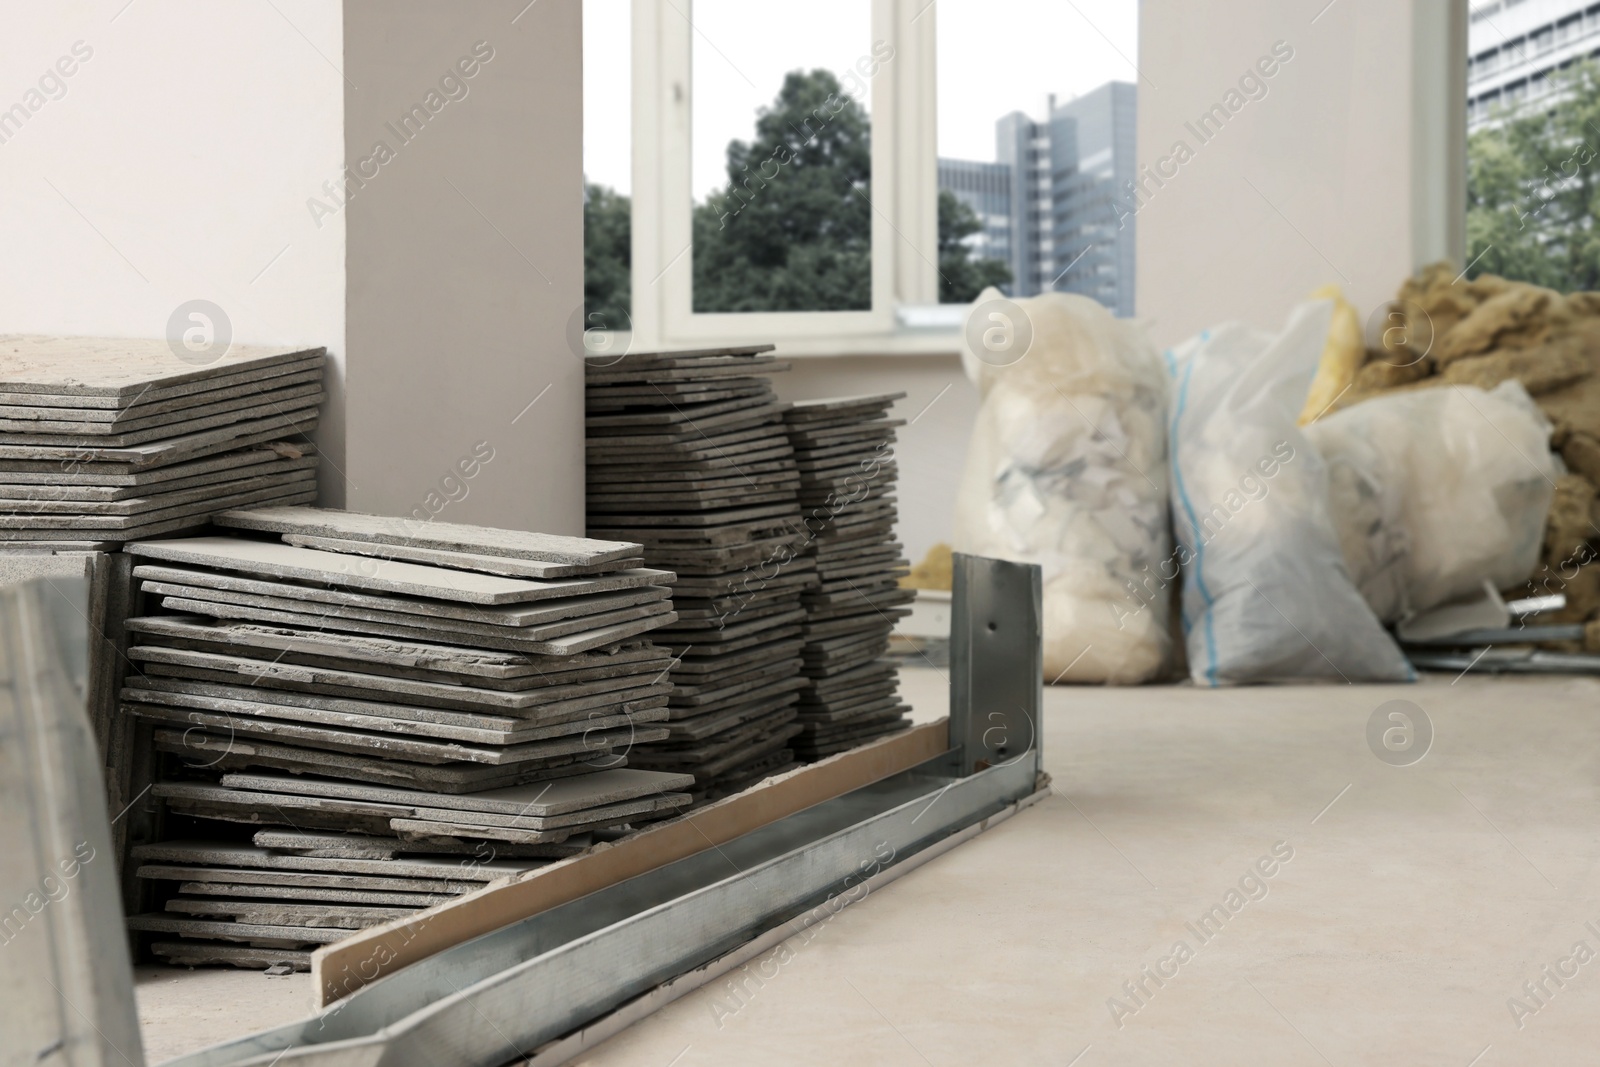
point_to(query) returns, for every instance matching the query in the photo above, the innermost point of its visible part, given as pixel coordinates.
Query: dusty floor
(1415, 903)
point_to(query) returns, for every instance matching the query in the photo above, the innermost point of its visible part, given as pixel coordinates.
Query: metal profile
(66, 982)
(540, 983)
(996, 661)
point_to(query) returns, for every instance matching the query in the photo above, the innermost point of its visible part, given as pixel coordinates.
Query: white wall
(175, 166)
(1340, 173)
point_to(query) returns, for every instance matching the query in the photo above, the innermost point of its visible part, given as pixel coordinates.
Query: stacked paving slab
(688, 456)
(844, 451)
(362, 716)
(104, 441)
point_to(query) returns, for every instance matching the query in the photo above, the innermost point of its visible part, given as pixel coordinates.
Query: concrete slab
(449, 661)
(398, 719)
(582, 641)
(465, 561)
(127, 368)
(277, 560)
(558, 797)
(337, 916)
(29, 526)
(456, 631)
(450, 536)
(234, 434)
(705, 415)
(16, 473)
(399, 746)
(555, 601)
(235, 669)
(194, 853)
(140, 431)
(87, 499)
(229, 751)
(22, 406)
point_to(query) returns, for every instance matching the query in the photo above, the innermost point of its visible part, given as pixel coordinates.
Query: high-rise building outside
(1514, 46)
(1055, 204)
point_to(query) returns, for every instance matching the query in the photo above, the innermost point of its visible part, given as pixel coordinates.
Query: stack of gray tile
(104, 441)
(687, 455)
(397, 729)
(844, 450)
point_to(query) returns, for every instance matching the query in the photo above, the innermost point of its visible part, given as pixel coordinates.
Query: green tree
(961, 277)
(607, 257)
(792, 229)
(1532, 190)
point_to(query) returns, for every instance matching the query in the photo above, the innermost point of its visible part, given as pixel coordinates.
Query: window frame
(904, 192)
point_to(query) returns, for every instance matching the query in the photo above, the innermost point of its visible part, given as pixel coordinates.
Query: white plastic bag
(1266, 596)
(1067, 469)
(1435, 490)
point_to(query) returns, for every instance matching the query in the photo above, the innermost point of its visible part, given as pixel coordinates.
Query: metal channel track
(550, 985)
(501, 996)
(66, 984)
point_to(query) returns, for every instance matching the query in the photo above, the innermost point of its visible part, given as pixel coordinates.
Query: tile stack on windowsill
(847, 478)
(104, 441)
(397, 731)
(687, 455)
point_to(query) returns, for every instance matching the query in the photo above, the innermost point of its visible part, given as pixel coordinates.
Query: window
(607, 181)
(811, 185)
(780, 146)
(842, 183)
(1058, 115)
(1531, 156)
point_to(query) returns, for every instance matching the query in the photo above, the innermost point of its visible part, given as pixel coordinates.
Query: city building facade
(1055, 204)
(1514, 46)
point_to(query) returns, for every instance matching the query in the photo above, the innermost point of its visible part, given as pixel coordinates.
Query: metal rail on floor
(66, 984)
(505, 995)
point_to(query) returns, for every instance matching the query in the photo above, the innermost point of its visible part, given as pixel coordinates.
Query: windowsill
(922, 343)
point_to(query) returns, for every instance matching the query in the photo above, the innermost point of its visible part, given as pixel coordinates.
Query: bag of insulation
(1067, 469)
(1436, 490)
(1266, 594)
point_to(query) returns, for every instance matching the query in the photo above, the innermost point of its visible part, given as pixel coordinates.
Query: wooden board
(450, 536)
(341, 969)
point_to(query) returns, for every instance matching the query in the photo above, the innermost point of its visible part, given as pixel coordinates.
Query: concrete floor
(1415, 902)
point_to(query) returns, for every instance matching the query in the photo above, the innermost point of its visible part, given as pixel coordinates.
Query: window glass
(1036, 150)
(781, 154)
(1533, 155)
(607, 159)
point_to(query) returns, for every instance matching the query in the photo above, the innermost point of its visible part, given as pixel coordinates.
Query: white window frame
(904, 194)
